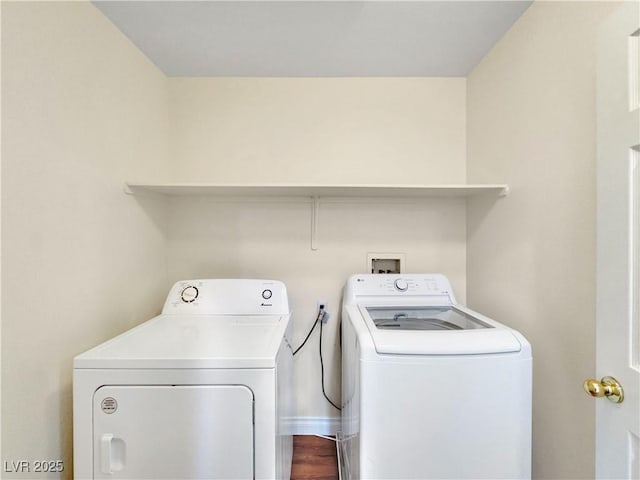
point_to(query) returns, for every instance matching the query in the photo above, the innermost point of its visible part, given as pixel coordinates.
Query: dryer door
(169, 432)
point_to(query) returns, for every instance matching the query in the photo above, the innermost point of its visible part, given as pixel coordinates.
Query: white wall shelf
(315, 192)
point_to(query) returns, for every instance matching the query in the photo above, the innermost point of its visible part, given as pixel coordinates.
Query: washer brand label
(109, 405)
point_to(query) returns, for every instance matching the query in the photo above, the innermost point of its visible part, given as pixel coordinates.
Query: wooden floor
(314, 458)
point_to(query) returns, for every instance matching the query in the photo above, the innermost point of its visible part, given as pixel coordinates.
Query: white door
(618, 265)
(173, 432)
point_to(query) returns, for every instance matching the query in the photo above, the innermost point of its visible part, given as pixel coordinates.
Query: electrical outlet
(325, 310)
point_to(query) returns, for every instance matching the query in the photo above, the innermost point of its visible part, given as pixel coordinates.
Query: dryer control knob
(189, 294)
(401, 285)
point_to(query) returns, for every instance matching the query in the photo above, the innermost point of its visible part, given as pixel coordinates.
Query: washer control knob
(266, 294)
(401, 285)
(189, 294)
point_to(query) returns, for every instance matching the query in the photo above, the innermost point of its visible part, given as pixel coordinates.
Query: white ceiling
(314, 38)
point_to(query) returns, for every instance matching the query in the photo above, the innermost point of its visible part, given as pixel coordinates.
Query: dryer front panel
(173, 431)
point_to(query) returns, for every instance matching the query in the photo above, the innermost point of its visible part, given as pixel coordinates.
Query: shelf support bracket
(315, 220)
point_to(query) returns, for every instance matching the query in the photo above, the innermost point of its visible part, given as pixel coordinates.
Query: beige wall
(340, 131)
(531, 259)
(318, 130)
(82, 111)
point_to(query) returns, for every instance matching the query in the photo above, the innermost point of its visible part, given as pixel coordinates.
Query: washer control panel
(227, 297)
(430, 286)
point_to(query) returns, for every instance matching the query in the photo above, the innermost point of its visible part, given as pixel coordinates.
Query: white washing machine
(198, 392)
(430, 389)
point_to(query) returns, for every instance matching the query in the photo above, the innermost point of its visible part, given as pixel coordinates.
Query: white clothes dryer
(430, 389)
(198, 392)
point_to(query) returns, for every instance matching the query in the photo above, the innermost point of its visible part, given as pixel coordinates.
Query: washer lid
(436, 330)
(192, 341)
(423, 318)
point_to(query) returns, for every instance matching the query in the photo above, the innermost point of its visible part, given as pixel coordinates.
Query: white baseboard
(312, 425)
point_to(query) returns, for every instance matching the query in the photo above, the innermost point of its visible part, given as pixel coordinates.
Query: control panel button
(401, 285)
(189, 294)
(266, 294)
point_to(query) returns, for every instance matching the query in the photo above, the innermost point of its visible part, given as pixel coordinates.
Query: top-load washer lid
(436, 330)
(423, 318)
(193, 341)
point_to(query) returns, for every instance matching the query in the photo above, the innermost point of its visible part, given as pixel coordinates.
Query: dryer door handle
(112, 454)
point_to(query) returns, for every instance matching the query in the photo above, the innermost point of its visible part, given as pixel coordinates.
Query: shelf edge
(310, 190)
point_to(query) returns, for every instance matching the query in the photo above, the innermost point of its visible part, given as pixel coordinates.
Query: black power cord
(320, 318)
(320, 314)
(322, 374)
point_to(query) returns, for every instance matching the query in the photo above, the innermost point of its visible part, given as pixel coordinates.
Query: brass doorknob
(607, 387)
